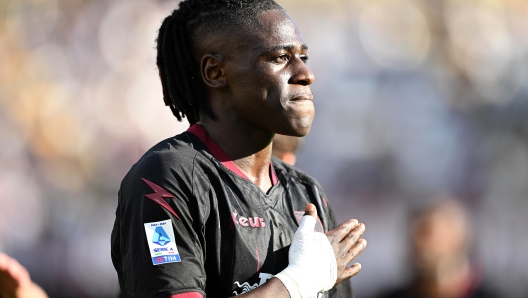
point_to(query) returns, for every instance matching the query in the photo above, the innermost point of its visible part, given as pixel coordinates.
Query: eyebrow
(286, 47)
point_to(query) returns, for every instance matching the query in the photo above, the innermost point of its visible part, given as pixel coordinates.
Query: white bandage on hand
(312, 264)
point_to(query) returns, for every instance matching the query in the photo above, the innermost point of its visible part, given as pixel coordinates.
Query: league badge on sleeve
(161, 241)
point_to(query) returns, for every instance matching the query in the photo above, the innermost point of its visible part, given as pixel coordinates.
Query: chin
(298, 128)
(301, 132)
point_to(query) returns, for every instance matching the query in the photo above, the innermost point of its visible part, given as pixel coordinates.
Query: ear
(212, 70)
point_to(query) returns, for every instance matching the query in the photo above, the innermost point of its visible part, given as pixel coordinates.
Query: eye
(281, 59)
(304, 58)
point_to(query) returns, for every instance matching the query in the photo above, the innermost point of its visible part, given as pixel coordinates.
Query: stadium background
(414, 99)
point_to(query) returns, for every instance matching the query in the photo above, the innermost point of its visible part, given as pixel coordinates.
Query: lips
(303, 97)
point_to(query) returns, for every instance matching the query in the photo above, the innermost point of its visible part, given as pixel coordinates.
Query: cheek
(260, 84)
(276, 88)
(271, 79)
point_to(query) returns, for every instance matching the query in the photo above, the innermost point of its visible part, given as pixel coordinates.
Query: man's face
(267, 77)
(439, 236)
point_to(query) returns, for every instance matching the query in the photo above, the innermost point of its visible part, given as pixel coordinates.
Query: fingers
(12, 268)
(13, 276)
(348, 244)
(356, 250)
(307, 225)
(349, 272)
(341, 231)
(308, 220)
(4, 259)
(352, 245)
(310, 210)
(353, 236)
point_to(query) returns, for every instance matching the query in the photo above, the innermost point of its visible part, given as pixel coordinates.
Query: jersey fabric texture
(231, 236)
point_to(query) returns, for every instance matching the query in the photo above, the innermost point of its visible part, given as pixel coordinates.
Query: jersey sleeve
(157, 240)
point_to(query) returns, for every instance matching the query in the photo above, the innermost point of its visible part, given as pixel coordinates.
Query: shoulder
(171, 163)
(168, 170)
(172, 152)
(175, 155)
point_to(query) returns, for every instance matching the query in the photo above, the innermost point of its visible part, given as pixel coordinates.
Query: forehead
(275, 28)
(272, 29)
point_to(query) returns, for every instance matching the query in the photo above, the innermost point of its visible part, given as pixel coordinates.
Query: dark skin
(258, 84)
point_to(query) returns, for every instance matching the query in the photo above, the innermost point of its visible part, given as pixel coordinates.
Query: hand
(15, 281)
(317, 261)
(347, 243)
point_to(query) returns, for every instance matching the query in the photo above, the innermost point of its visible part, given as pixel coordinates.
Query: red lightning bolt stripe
(158, 195)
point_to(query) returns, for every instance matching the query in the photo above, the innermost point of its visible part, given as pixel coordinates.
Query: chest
(260, 230)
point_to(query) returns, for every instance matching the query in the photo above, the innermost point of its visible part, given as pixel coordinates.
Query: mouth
(303, 97)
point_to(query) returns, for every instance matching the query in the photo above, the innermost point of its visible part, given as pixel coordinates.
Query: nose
(302, 75)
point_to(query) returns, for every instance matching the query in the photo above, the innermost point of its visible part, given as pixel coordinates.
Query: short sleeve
(157, 243)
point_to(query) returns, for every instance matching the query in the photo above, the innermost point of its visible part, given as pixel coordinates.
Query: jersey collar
(220, 155)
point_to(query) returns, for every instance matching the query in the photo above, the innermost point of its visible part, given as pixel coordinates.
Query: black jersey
(189, 223)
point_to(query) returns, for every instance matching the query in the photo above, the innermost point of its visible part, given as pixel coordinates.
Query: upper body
(230, 236)
(237, 68)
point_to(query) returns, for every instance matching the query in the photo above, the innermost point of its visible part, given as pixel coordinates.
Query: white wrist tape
(312, 264)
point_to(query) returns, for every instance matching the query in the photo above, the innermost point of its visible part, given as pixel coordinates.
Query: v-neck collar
(221, 156)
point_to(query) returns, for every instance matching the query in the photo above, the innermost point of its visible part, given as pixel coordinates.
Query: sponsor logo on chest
(252, 222)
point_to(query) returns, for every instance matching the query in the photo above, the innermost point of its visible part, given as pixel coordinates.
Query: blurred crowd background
(416, 100)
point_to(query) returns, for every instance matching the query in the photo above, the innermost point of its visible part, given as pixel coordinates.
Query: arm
(156, 240)
(308, 278)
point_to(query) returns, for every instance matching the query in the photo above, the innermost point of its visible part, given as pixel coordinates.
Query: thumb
(308, 221)
(310, 210)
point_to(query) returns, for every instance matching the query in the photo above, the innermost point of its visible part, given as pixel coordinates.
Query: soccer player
(209, 212)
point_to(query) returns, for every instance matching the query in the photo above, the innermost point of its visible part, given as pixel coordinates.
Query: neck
(247, 146)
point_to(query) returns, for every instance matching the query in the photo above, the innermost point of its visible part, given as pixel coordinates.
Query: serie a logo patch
(161, 241)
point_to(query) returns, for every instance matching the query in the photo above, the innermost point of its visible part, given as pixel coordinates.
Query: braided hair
(183, 88)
